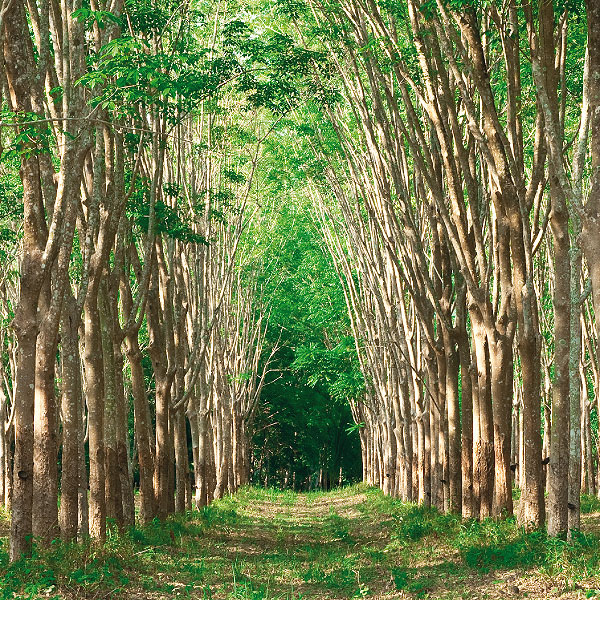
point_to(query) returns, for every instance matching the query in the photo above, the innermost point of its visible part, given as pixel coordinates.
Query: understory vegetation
(351, 543)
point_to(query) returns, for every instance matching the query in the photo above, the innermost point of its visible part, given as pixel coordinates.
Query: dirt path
(352, 543)
(349, 544)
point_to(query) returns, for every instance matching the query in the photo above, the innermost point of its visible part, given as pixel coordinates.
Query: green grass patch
(590, 503)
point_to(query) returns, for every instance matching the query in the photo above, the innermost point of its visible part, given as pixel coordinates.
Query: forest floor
(351, 543)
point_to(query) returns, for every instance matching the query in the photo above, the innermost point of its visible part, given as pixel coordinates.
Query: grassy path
(348, 543)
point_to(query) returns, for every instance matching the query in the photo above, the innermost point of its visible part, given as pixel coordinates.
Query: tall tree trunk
(94, 375)
(501, 367)
(181, 461)
(71, 420)
(558, 517)
(20, 69)
(3, 451)
(454, 426)
(468, 509)
(483, 441)
(112, 481)
(124, 468)
(45, 468)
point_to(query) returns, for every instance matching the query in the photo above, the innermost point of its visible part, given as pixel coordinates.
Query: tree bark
(71, 420)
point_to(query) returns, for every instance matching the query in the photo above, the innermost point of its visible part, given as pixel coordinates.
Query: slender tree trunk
(22, 491)
(71, 420)
(558, 513)
(501, 366)
(21, 79)
(454, 426)
(112, 481)
(483, 455)
(558, 517)
(8, 477)
(201, 472)
(142, 430)
(181, 461)
(94, 375)
(162, 447)
(83, 517)
(3, 451)
(127, 500)
(468, 510)
(45, 469)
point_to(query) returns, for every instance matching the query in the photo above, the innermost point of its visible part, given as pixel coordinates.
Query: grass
(351, 543)
(589, 504)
